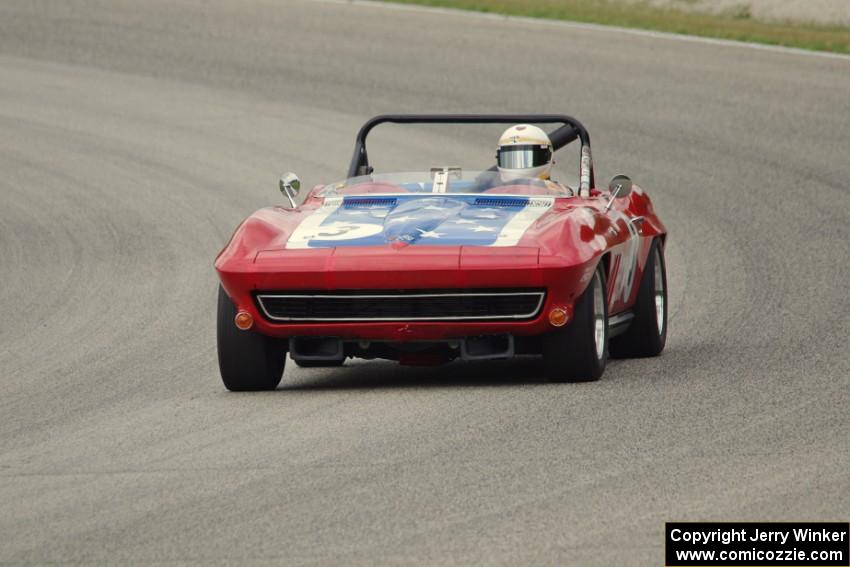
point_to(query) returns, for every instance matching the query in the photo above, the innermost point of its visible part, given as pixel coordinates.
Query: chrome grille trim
(539, 295)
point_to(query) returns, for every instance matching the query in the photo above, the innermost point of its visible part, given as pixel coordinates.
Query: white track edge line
(670, 36)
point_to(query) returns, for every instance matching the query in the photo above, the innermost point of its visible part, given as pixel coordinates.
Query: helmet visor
(523, 157)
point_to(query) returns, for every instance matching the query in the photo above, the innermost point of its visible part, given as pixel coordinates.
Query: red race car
(430, 266)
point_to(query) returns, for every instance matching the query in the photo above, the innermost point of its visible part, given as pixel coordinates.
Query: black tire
(248, 361)
(571, 354)
(318, 363)
(647, 333)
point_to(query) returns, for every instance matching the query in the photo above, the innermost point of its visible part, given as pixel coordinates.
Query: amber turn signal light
(558, 317)
(243, 320)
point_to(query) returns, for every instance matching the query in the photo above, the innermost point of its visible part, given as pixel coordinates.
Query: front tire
(248, 361)
(647, 333)
(577, 353)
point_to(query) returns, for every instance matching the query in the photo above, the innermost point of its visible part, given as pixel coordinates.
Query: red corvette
(427, 267)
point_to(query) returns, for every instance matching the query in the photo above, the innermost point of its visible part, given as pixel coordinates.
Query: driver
(524, 152)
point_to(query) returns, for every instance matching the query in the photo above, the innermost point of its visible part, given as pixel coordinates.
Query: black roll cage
(570, 130)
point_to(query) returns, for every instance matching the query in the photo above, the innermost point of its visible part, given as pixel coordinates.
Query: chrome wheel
(660, 292)
(598, 316)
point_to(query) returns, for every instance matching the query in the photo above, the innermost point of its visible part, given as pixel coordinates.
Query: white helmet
(525, 151)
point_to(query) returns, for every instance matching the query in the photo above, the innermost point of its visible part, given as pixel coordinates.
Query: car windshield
(444, 180)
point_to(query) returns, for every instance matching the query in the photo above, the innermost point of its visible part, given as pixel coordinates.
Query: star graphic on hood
(428, 233)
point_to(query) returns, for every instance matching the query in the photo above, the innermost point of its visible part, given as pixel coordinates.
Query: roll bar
(570, 130)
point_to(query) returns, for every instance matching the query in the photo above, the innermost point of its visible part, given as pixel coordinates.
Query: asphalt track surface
(135, 136)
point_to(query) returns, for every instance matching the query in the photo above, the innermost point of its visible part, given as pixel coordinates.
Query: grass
(736, 25)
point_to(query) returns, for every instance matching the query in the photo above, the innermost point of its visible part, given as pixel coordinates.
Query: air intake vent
(369, 202)
(419, 305)
(501, 203)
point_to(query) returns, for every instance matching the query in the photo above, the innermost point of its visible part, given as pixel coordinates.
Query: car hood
(411, 220)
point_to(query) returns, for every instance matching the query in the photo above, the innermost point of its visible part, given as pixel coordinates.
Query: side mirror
(289, 186)
(620, 187)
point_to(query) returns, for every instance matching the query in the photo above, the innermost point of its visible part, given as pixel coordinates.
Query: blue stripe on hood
(416, 219)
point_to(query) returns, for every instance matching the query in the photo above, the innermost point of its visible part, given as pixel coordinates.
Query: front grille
(419, 305)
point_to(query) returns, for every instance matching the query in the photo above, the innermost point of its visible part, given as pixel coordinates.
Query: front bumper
(409, 269)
